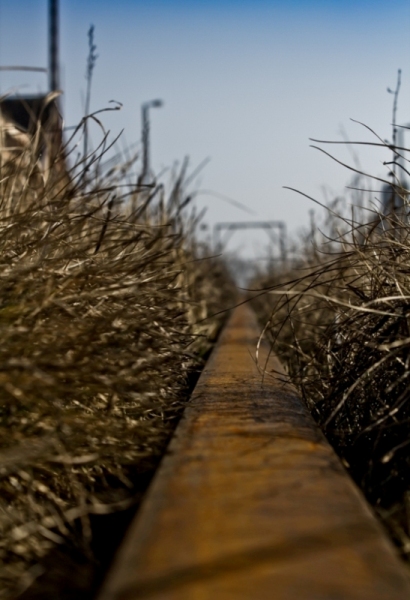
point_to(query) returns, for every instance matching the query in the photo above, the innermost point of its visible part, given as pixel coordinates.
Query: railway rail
(250, 500)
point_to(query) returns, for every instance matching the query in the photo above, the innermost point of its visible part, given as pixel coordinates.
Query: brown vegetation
(104, 314)
(340, 320)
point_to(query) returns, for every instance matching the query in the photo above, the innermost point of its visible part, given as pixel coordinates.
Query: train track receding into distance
(250, 501)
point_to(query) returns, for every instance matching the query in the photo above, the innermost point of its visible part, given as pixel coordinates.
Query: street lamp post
(145, 174)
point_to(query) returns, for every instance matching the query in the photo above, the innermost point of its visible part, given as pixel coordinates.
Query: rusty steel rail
(251, 502)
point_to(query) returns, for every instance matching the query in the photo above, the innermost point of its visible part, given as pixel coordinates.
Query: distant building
(35, 113)
(26, 111)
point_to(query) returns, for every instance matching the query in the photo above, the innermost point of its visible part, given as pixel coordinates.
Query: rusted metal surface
(251, 502)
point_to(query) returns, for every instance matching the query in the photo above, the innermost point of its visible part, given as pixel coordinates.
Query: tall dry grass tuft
(103, 293)
(340, 320)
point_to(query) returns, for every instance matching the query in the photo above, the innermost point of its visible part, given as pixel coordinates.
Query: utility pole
(312, 226)
(145, 175)
(54, 74)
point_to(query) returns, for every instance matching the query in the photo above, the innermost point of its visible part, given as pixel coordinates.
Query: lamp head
(156, 103)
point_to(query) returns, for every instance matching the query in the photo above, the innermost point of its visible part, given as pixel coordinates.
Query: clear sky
(245, 83)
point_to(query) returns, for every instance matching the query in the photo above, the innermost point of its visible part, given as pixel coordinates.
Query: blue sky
(244, 83)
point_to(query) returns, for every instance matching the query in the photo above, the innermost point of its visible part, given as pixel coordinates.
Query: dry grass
(340, 320)
(103, 290)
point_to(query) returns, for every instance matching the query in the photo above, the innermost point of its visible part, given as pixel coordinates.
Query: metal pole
(145, 142)
(21, 68)
(145, 174)
(282, 242)
(312, 226)
(54, 75)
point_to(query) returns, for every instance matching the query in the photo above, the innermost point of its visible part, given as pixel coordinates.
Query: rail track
(250, 501)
